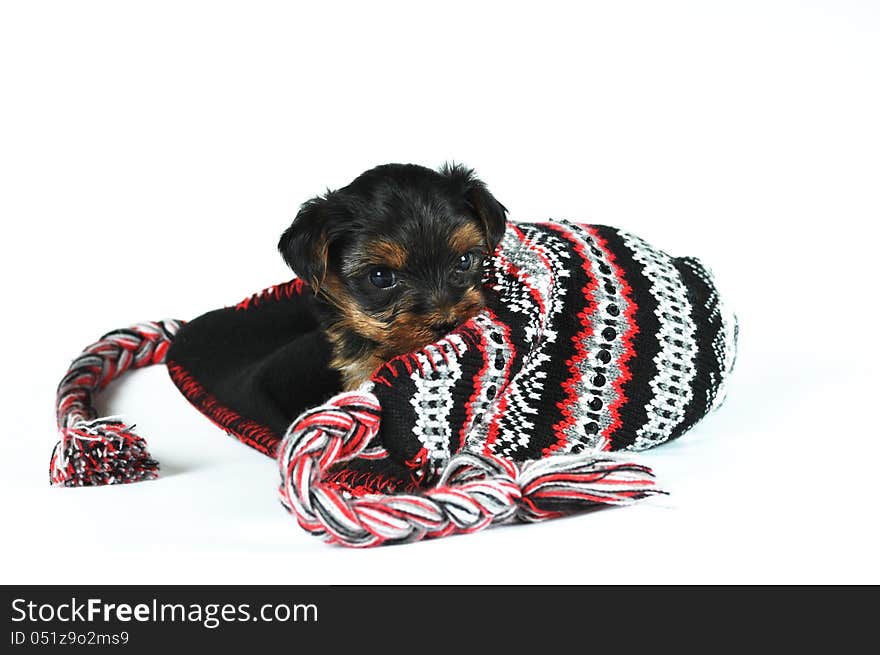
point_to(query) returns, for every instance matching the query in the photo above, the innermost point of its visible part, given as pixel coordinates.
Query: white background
(152, 153)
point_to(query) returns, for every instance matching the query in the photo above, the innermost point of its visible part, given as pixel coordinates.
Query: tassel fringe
(102, 451)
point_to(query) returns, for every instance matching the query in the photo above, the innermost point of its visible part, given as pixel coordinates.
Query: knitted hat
(592, 341)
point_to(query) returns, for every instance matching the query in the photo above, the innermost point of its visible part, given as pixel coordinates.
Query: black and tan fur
(409, 224)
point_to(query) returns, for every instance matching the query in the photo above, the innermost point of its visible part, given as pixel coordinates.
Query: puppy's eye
(382, 277)
(464, 262)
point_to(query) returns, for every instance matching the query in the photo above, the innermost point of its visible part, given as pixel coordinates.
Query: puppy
(395, 260)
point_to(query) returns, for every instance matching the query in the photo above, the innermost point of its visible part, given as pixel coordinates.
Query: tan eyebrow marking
(386, 252)
(466, 238)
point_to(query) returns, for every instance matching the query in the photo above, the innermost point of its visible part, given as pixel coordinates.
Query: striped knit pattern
(593, 340)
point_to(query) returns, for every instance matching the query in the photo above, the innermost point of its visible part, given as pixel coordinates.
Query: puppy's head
(397, 255)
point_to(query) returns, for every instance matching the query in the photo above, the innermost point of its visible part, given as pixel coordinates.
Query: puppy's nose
(443, 328)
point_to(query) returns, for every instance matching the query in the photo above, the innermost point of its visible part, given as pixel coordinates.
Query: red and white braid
(472, 493)
(96, 451)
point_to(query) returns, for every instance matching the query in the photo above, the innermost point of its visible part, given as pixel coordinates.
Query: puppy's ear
(491, 213)
(305, 244)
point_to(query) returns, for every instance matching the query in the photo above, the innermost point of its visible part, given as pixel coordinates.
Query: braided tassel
(473, 492)
(96, 451)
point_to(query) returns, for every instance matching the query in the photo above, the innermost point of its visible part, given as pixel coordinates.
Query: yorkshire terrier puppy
(395, 260)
